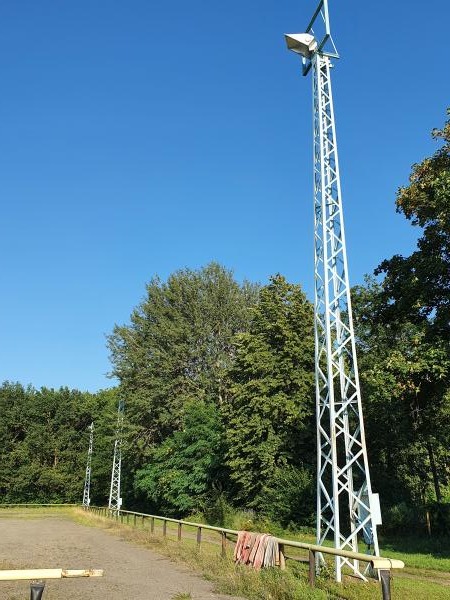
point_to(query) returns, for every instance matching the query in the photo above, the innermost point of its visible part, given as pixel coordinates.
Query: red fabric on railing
(257, 550)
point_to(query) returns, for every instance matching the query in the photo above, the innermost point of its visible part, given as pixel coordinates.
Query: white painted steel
(87, 479)
(343, 480)
(115, 501)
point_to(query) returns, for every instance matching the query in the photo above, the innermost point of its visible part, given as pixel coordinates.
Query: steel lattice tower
(346, 507)
(87, 479)
(115, 501)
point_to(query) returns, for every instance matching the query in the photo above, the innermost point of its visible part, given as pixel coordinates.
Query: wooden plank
(19, 574)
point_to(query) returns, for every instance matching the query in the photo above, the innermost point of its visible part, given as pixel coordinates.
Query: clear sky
(140, 137)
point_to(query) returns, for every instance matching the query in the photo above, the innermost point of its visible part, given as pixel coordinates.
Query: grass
(422, 552)
(425, 578)
(31, 512)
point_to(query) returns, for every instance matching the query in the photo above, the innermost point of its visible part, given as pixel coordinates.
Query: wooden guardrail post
(281, 556)
(164, 528)
(134, 520)
(312, 568)
(152, 525)
(224, 544)
(199, 537)
(179, 531)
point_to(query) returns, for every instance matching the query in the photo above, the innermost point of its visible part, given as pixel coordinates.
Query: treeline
(44, 441)
(218, 382)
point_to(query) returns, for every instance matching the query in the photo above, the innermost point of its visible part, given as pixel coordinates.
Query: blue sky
(138, 137)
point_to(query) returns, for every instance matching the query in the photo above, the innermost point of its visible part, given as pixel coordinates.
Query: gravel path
(131, 572)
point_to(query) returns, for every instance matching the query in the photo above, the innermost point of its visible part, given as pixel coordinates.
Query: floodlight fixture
(301, 43)
(316, 38)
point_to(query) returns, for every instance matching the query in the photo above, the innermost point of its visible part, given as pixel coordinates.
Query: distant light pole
(115, 500)
(87, 479)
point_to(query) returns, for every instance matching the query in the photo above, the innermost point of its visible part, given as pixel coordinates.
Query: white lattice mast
(87, 479)
(346, 507)
(115, 500)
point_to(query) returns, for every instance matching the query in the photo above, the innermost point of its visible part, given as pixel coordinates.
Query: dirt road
(131, 572)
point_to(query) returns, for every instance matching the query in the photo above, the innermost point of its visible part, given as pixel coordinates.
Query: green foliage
(403, 324)
(405, 381)
(177, 349)
(269, 413)
(184, 469)
(44, 441)
(417, 287)
(174, 354)
(289, 497)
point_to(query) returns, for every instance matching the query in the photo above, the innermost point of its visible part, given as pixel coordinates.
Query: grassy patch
(421, 552)
(33, 512)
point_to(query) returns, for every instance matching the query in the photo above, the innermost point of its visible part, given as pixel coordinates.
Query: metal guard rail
(382, 564)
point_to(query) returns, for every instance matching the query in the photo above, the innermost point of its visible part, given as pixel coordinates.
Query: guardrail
(382, 564)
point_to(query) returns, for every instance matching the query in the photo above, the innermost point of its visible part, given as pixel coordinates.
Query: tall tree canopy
(269, 416)
(186, 470)
(177, 349)
(417, 287)
(405, 379)
(403, 326)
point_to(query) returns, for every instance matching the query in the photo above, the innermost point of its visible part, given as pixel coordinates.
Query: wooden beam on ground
(19, 574)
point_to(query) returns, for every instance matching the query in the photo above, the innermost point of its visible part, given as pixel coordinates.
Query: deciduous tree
(176, 349)
(269, 416)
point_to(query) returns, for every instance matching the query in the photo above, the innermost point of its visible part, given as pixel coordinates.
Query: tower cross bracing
(346, 507)
(115, 500)
(87, 478)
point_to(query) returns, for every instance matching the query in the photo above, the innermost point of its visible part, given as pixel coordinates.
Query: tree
(270, 425)
(185, 470)
(404, 325)
(404, 378)
(417, 287)
(177, 349)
